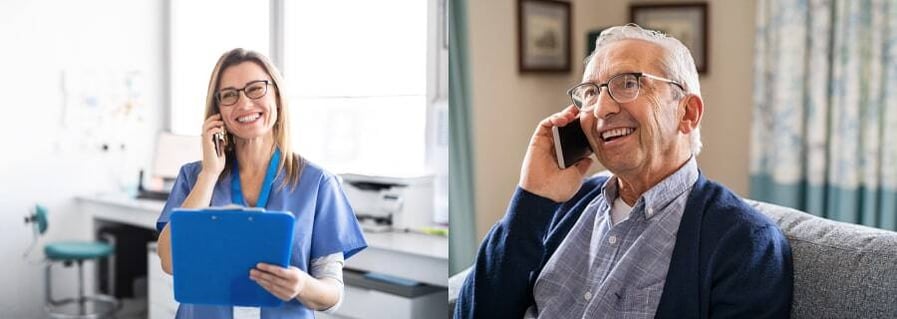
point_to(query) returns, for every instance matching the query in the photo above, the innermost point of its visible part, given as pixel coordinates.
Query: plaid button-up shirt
(602, 270)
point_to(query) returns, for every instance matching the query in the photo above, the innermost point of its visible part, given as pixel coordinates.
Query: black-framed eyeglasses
(253, 90)
(623, 88)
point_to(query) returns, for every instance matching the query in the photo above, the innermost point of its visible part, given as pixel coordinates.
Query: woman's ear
(692, 112)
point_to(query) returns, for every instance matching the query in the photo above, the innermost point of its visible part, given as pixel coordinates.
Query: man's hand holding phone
(540, 173)
(213, 145)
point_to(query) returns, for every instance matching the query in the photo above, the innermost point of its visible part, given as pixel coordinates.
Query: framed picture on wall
(591, 37)
(543, 34)
(686, 22)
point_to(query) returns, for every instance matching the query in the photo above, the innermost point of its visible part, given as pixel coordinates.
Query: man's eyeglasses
(253, 90)
(622, 88)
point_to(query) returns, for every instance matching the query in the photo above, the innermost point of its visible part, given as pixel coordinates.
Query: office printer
(384, 203)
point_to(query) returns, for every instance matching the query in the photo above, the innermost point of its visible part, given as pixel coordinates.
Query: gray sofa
(840, 270)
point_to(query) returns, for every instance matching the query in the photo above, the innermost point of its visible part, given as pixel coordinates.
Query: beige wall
(507, 105)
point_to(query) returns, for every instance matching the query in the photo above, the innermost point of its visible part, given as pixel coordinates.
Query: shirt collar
(662, 194)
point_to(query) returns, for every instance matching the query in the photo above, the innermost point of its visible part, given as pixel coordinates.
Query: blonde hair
(290, 162)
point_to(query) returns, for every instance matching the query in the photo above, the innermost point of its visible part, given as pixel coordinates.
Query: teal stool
(96, 306)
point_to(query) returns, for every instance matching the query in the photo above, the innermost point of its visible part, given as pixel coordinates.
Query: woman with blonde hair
(255, 166)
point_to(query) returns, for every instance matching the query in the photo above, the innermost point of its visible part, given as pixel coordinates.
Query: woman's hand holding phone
(540, 173)
(212, 163)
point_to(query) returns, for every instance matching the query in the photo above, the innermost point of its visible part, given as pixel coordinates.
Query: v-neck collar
(237, 189)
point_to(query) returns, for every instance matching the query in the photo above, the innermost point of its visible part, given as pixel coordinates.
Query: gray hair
(678, 63)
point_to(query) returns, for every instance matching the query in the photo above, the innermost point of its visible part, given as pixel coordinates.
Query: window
(357, 74)
(200, 31)
(366, 80)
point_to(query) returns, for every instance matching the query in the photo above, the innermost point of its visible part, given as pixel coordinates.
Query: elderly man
(656, 239)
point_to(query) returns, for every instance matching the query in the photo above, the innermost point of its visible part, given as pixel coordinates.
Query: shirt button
(587, 295)
(650, 212)
(612, 239)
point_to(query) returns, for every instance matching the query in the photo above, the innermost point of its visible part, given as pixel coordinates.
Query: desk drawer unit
(161, 288)
(370, 298)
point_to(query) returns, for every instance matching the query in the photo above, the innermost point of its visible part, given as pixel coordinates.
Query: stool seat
(73, 252)
(77, 250)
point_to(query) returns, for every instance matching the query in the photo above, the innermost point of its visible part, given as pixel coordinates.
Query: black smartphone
(570, 144)
(218, 138)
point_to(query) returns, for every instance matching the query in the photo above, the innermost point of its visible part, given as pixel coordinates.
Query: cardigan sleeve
(498, 284)
(752, 274)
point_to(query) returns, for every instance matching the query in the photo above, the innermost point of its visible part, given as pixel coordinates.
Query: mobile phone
(570, 144)
(218, 139)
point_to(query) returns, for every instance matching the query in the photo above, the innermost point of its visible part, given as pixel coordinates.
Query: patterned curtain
(824, 135)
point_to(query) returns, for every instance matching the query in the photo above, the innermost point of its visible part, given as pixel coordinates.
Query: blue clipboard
(213, 250)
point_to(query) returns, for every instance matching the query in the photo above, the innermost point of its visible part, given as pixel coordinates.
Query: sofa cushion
(840, 270)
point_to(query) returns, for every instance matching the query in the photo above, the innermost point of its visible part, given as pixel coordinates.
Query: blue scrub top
(325, 224)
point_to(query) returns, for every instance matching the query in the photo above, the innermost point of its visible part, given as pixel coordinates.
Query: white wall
(48, 154)
(506, 106)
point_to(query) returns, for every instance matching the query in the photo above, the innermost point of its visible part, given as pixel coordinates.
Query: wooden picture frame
(686, 22)
(543, 34)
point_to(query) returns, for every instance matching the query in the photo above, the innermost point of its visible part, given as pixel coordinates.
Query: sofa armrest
(454, 286)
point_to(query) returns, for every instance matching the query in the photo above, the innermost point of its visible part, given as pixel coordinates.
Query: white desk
(121, 209)
(418, 257)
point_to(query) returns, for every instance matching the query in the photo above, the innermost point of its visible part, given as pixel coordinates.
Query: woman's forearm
(163, 249)
(200, 196)
(320, 294)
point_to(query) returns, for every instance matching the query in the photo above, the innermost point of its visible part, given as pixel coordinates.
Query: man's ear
(692, 112)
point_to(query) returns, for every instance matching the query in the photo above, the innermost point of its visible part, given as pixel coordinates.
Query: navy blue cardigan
(729, 260)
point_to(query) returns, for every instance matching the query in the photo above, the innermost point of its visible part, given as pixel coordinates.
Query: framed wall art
(543, 36)
(686, 22)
